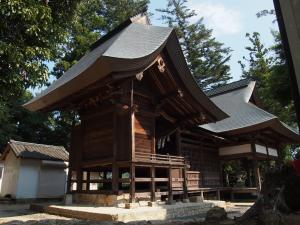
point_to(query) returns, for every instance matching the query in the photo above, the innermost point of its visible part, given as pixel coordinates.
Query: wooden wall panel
(122, 140)
(98, 135)
(75, 148)
(203, 159)
(144, 132)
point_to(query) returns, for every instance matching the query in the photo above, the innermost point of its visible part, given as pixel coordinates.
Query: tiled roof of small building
(244, 116)
(38, 151)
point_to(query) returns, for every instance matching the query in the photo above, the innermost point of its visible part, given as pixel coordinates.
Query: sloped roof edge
(29, 150)
(97, 64)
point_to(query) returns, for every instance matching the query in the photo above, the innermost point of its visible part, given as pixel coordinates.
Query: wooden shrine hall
(147, 131)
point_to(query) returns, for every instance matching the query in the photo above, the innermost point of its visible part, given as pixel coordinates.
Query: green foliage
(206, 57)
(20, 124)
(31, 33)
(267, 66)
(259, 61)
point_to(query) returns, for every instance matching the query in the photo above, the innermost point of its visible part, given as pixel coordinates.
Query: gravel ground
(20, 214)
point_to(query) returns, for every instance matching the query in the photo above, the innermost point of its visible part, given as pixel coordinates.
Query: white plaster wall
(52, 180)
(28, 178)
(1, 173)
(272, 152)
(261, 149)
(10, 175)
(237, 149)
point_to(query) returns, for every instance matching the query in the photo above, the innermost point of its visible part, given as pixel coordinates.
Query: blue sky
(230, 20)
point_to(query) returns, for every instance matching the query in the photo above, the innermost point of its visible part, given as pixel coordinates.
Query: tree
(267, 66)
(259, 62)
(93, 19)
(206, 57)
(31, 34)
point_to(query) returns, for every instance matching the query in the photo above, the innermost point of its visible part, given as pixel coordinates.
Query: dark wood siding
(144, 132)
(203, 159)
(98, 135)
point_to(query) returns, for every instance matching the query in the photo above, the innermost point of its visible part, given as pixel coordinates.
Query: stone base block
(100, 199)
(68, 199)
(185, 200)
(171, 202)
(132, 205)
(196, 199)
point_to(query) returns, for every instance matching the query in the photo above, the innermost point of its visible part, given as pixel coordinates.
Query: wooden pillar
(178, 142)
(256, 167)
(185, 185)
(79, 180)
(249, 177)
(132, 183)
(152, 173)
(69, 180)
(88, 178)
(170, 186)
(115, 178)
(257, 174)
(218, 194)
(231, 195)
(221, 173)
(268, 158)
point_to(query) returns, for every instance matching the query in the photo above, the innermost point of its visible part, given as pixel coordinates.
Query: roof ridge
(228, 87)
(31, 143)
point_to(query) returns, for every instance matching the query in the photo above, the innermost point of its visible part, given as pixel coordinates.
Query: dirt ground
(20, 214)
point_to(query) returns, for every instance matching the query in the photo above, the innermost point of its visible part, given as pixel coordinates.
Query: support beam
(256, 168)
(185, 187)
(170, 186)
(88, 178)
(257, 174)
(69, 181)
(79, 180)
(115, 178)
(132, 183)
(152, 173)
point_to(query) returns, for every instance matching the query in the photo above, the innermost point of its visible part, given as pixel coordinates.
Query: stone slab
(158, 212)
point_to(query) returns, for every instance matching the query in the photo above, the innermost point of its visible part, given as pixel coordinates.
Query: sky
(230, 21)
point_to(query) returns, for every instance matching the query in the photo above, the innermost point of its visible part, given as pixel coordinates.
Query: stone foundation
(100, 199)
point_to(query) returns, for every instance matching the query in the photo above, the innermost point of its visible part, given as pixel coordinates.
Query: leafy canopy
(31, 34)
(206, 57)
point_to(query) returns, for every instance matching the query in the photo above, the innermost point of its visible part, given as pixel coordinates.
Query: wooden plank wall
(122, 141)
(203, 159)
(211, 167)
(98, 135)
(144, 133)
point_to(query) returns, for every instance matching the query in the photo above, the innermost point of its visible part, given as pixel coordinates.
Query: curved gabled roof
(131, 47)
(244, 116)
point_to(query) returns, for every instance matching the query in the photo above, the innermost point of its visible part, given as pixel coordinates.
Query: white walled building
(1, 172)
(33, 171)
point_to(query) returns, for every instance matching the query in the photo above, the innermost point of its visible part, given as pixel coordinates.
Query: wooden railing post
(115, 178)
(152, 172)
(88, 178)
(185, 187)
(170, 191)
(132, 183)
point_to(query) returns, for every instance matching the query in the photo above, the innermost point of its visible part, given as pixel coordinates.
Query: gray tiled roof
(228, 87)
(38, 151)
(235, 101)
(129, 49)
